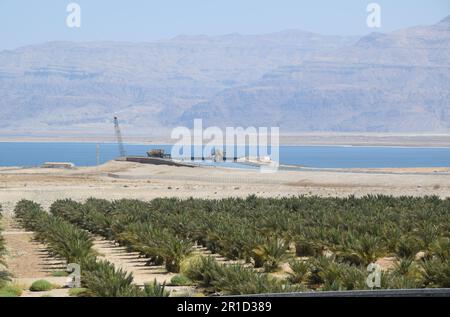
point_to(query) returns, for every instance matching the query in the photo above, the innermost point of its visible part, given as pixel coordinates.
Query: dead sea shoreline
(320, 139)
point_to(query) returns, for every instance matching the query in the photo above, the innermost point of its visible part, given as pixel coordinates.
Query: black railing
(422, 292)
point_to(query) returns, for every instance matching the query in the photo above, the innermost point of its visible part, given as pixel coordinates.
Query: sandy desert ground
(116, 180)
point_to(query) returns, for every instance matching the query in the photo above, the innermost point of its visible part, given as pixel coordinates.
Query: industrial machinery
(158, 153)
(217, 155)
(119, 138)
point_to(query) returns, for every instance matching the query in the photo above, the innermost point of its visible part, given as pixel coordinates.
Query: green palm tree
(271, 254)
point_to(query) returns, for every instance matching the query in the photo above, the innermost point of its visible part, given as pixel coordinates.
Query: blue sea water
(84, 154)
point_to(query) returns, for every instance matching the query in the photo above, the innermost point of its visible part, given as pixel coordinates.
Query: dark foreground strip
(278, 306)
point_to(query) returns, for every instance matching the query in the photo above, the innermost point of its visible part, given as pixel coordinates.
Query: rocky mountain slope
(397, 82)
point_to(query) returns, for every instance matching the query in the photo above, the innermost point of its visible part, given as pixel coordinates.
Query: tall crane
(119, 138)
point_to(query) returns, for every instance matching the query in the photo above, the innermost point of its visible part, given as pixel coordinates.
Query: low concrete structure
(58, 165)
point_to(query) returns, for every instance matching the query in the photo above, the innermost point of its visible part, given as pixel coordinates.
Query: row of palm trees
(159, 244)
(266, 233)
(74, 245)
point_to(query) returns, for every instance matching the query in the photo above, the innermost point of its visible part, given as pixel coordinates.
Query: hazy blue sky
(24, 22)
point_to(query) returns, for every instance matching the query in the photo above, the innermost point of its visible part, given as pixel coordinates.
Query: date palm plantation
(271, 245)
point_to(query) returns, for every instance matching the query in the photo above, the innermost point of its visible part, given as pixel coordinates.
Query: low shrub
(156, 289)
(41, 286)
(180, 280)
(10, 290)
(189, 263)
(78, 292)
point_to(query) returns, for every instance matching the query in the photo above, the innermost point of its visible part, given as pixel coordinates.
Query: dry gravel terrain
(116, 180)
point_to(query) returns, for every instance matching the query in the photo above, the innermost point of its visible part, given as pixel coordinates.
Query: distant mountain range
(300, 81)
